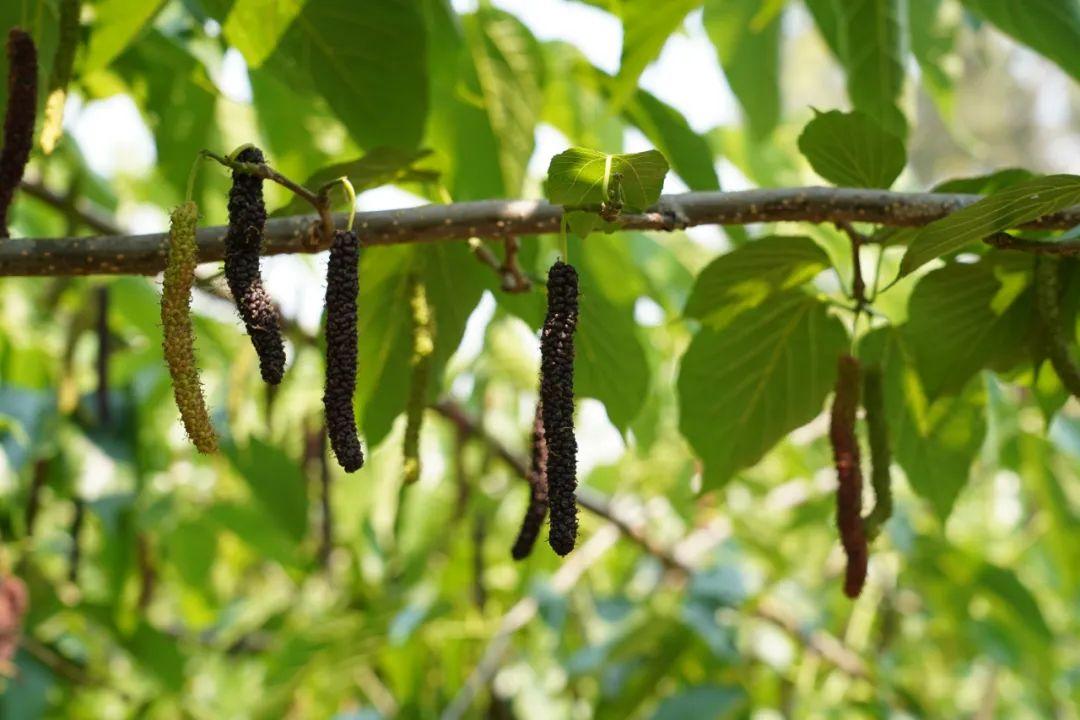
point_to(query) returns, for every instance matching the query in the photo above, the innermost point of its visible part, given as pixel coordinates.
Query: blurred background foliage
(261, 582)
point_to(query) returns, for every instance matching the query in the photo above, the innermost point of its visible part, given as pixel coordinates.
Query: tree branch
(145, 254)
(818, 642)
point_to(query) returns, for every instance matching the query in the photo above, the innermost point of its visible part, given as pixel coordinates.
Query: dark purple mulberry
(538, 491)
(342, 286)
(19, 118)
(557, 400)
(243, 245)
(845, 444)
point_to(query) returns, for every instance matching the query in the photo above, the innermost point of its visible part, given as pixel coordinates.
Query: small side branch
(1005, 241)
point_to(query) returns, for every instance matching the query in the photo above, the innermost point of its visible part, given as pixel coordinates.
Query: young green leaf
(576, 177)
(852, 149)
(1050, 27)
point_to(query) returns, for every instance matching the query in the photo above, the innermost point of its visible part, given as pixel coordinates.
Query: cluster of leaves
(199, 591)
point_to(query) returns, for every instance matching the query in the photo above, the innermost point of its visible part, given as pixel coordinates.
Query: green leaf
(1003, 584)
(27, 697)
(964, 317)
(851, 149)
(751, 275)
(705, 701)
(576, 102)
(510, 70)
(765, 374)
(276, 482)
(191, 547)
(116, 25)
(667, 129)
(871, 50)
(576, 177)
(932, 40)
(1015, 205)
(646, 27)
(826, 14)
(935, 441)
(380, 166)
(749, 51)
(1050, 27)
(455, 281)
(460, 128)
(254, 27)
(347, 50)
(178, 101)
(159, 654)
(610, 363)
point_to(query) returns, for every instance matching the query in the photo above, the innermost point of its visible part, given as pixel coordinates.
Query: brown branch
(818, 642)
(1005, 241)
(145, 254)
(81, 211)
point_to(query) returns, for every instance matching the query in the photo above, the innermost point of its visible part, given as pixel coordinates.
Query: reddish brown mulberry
(243, 245)
(557, 400)
(538, 491)
(845, 446)
(342, 286)
(19, 118)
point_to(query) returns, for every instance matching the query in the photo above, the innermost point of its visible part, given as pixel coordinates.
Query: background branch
(145, 254)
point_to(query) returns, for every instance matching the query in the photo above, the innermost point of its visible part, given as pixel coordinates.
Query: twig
(818, 642)
(514, 279)
(320, 200)
(1005, 241)
(145, 254)
(80, 210)
(858, 285)
(75, 552)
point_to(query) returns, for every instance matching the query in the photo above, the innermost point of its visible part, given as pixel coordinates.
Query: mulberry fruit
(63, 62)
(880, 452)
(243, 245)
(538, 491)
(179, 342)
(423, 347)
(845, 446)
(1048, 300)
(342, 286)
(19, 118)
(557, 400)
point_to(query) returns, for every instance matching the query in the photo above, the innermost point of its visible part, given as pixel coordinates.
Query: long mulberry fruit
(179, 339)
(845, 446)
(557, 400)
(538, 491)
(243, 245)
(1048, 300)
(880, 453)
(423, 329)
(342, 286)
(19, 118)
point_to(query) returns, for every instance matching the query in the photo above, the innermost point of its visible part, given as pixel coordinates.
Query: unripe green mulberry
(179, 338)
(19, 118)
(1058, 341)
(880, 452)
(538, 491)
(423, 329)
(243, 245)
(342, 286)
(63, 61)
(557, 400)
(845, 446)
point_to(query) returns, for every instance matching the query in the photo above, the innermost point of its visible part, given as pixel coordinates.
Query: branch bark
(145, 254)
